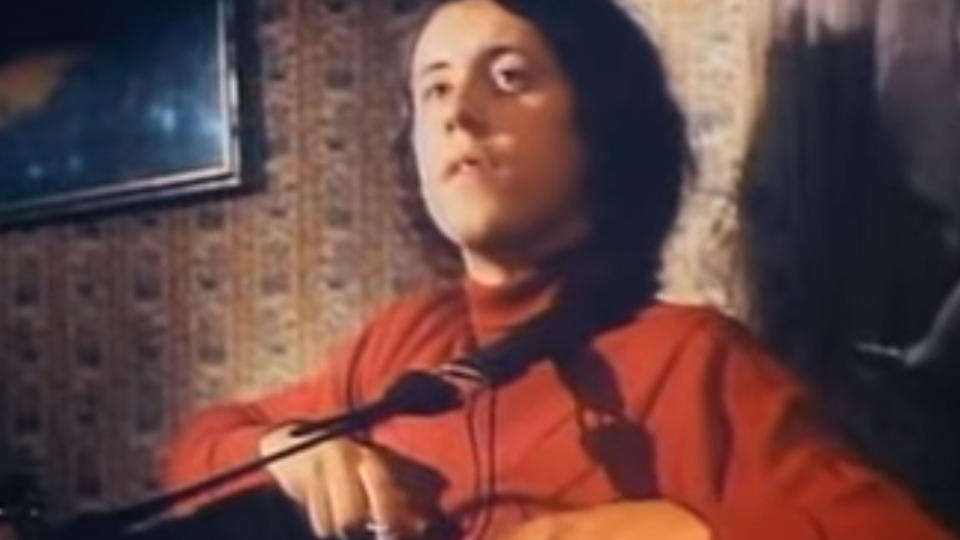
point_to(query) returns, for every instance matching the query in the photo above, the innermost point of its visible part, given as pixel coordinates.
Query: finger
(388, 504)
(345, 492)
(290, 484)
(317, 508)
(293, 490)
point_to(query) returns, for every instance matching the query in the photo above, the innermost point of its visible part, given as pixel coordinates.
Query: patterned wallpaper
(112, 328)
(711, 53)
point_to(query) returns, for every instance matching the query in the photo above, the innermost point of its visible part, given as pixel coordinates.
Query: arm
(739, 447)
(737, 456)
(340, 483)
(226, 435)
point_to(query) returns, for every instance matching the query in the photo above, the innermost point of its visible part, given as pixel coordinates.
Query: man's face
(498, 152)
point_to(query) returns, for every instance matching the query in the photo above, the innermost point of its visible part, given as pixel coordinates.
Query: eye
(435, 90)
(511, 73)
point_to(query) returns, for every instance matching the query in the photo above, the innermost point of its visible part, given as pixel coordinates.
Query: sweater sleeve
(224, 436)
(737, 445)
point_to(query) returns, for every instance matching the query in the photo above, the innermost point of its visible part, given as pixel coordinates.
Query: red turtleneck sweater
(677, 403)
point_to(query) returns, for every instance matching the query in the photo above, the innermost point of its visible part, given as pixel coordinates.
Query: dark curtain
(851, 207)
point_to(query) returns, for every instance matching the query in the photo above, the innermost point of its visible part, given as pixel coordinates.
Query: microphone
(427, 392)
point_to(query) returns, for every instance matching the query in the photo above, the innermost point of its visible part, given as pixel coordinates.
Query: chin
(485, 238)
(474, 241)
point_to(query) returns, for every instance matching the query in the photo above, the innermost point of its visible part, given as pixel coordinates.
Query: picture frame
(118, 103)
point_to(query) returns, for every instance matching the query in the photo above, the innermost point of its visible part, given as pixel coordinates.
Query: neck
(514, 263)
(512, 266)
(496, 271)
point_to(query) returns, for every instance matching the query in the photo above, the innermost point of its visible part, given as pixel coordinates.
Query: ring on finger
(381, 530)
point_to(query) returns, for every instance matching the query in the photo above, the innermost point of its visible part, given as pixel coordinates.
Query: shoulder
(681, 324)
(417, 325)
(703, 340)
(414, 327)
(425, 306)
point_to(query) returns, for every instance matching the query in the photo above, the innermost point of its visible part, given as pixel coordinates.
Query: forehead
(462, 30)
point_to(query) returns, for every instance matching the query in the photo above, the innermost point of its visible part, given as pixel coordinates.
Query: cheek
(421, 148)
(549, 151)
(429, 171)
(426, 156)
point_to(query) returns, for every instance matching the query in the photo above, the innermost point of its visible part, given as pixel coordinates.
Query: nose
(467, 109)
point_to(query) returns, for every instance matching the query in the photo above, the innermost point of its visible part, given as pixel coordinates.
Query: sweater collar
(494, 310)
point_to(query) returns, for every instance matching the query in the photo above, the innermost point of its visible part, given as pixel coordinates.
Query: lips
(471, 162)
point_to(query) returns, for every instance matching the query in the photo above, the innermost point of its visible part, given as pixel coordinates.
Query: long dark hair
(632, 129)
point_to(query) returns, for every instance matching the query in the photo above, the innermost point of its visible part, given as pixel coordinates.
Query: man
(549, 154)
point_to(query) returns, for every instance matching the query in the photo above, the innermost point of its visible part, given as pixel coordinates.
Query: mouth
(470, 164)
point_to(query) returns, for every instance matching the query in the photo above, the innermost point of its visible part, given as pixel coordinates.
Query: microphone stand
(414, 393)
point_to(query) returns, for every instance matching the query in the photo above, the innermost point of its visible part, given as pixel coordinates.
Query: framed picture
(108, 103)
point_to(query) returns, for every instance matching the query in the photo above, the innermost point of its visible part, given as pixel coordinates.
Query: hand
(342, 485)
(654, 520)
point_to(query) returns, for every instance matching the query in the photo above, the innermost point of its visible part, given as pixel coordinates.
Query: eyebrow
(432, 67)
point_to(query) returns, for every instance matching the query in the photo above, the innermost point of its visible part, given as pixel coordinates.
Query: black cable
(475, 458)
(490, 497)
